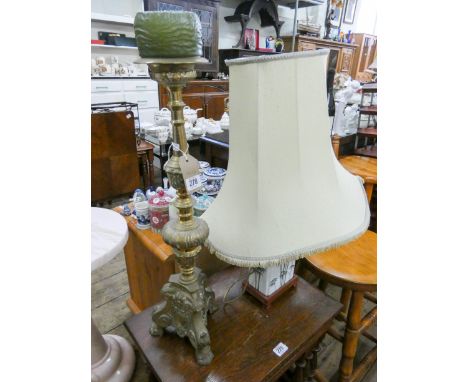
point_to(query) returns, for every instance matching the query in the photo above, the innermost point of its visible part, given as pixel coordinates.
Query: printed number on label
(280, 349)
(193, 183)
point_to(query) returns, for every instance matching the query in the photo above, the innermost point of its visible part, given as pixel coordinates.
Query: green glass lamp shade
(168, 34)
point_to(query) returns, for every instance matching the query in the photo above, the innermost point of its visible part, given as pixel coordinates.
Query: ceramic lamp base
(268, 300)
(267, 284)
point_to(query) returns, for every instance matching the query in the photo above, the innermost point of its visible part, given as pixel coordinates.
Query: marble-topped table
(112, 357)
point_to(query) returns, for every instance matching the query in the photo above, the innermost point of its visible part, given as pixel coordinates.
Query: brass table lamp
(187, 298)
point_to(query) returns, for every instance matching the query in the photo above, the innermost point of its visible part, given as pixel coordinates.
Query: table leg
(145, 171)
(369, 187)
(150, 167)
(351, 336)
(112, 357)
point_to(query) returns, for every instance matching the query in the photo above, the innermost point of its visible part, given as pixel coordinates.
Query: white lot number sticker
(280, 349)
(193, 183)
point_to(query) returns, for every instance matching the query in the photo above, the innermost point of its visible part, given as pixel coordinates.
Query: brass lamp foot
(184, 312)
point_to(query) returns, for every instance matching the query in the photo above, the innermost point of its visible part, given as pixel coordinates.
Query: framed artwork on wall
(349, 12)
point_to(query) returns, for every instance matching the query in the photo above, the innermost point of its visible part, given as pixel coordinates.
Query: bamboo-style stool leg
(351, 337)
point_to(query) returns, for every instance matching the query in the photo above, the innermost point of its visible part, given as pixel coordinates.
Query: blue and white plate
(215, 172)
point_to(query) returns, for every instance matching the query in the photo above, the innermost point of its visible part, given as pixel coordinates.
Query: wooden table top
(243, 335)
(220, 139)
(365, 167)
(150, 239)
(144, 146)
(353, 265)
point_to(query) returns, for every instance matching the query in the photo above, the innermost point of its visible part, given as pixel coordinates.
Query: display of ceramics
(188, 129)
(201, 204)
(202, 165)
(142, 215)
(224, 122)
(162, 114)
(112, 66)
(150, 192)
(159, 210)
(209, 125)
(138, 196)
(160, 132)
(191, 115)
(214, 180)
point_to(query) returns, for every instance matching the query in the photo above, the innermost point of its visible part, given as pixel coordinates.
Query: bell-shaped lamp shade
(285, 195)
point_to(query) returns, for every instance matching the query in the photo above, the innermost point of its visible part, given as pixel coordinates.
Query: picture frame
(251, 39)
(338, 17)
(350, 11)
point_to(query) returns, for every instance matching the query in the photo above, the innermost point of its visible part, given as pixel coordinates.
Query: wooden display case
(365, 54)
(341, 54)
(208, 95)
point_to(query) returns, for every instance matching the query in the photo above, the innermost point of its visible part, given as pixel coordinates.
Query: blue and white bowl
(214, 179)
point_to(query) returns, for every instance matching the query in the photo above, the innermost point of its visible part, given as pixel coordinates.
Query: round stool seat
(352, 266)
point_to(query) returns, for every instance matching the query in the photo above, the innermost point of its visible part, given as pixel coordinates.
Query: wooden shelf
(368, 151)
(369, 110)
(368, 132)
(115, 19)
(114, 47)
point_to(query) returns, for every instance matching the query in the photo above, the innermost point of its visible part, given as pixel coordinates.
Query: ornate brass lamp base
(184, 312)
(187, 298)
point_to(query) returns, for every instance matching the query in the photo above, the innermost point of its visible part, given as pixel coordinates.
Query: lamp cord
(227, 302)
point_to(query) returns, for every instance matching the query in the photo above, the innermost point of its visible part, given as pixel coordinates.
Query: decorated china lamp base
(268, 284)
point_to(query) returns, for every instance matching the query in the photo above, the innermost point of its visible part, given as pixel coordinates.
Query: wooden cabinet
(114, 160)
(366, 53)
(341, 54)
(346, 62)
(202, 94)
(207, 11)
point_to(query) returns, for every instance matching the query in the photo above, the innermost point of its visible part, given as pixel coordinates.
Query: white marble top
(109, 234)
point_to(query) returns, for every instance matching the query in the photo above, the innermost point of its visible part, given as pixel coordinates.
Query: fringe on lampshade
(266, 262)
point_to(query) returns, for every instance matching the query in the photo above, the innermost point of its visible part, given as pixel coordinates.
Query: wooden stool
(353, 267)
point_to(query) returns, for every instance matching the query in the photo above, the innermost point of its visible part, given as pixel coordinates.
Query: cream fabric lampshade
(285, 195)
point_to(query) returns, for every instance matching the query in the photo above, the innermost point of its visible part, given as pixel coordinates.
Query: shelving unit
(116, 19)
(368, 133)
(114, 46)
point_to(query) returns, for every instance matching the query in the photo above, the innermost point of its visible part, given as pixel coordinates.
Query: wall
(365, 18)
(117, 7)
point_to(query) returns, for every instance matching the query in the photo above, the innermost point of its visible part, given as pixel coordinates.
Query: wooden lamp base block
(268, 300)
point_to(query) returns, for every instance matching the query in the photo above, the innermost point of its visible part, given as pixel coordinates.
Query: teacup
(100, 61)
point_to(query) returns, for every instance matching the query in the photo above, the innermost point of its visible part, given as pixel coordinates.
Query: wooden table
(215, 149)
(112, 356)
(365, 167)
(243, 336)
(145, 158)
